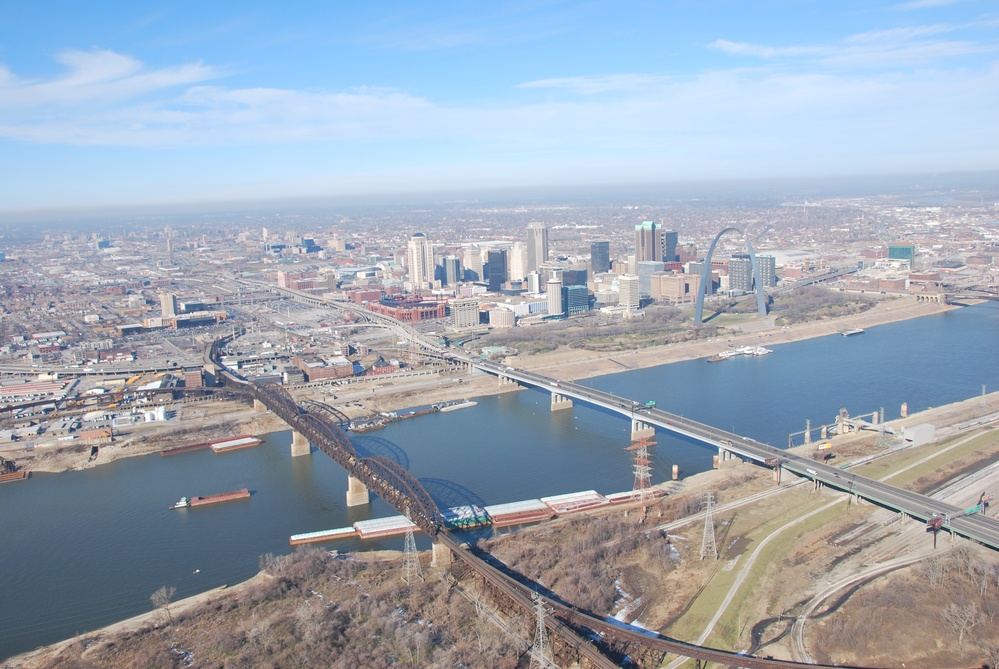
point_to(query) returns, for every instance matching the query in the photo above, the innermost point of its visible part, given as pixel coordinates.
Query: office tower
(576, 298)
(768, 270)
(627, 288)
(556, 306)
(168, 304)
(465, 312)
(537, 246)
(600, 257)
(533, 282)
(573, 277)
(903, 252)
(518, 261)
(452, 270)
(648, 242)
(740, 273)
(645, 270)
(420, 258)
(497, 270)
(668, 241)
(473, 264)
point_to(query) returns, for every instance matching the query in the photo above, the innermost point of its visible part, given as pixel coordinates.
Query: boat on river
(455, 405)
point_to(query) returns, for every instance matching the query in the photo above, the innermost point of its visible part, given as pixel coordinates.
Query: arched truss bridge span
(401, 490)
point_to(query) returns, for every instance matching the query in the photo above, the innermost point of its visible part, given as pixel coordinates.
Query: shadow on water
(449, 494)
(369, 446)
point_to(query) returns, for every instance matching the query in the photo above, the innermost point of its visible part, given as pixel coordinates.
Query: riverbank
(734, 481)
(206, 421)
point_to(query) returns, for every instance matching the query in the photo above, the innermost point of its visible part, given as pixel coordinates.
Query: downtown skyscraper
(537, 246)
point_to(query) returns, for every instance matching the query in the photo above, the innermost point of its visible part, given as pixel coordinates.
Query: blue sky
(123, 103)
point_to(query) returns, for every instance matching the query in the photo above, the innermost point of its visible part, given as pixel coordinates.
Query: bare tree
(961, 619)
(161, 599)
(991, 651)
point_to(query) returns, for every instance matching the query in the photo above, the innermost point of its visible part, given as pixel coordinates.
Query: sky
(124, 103)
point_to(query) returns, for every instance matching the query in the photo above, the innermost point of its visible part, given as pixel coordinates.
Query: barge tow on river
(184, 502)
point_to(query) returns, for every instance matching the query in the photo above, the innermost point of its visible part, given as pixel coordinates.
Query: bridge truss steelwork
(583, 637)
(382, 476)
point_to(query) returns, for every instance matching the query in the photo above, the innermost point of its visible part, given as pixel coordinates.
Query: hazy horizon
(136, 105)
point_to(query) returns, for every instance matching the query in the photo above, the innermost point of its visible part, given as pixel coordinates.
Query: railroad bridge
(580, 636)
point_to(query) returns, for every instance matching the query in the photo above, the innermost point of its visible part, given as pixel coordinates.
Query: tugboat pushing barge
(198, 500)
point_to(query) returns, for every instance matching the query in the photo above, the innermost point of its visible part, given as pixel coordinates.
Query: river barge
(202, 500)
(233, 443)
(14, 476)
(455, 405)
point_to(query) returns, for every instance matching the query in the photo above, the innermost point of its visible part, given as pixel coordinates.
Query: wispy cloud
(924, 4)
(734, 116)
(590, 85)
(894, 47)
(99, 76)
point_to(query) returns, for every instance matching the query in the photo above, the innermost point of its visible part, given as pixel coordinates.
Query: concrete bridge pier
(505, 380)
(299, 444)
(440, 556)
(357, 492)
(560, 402)
(641, 430)
(259, 406)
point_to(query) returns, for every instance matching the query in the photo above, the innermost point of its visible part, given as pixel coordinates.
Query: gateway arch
(761, 305)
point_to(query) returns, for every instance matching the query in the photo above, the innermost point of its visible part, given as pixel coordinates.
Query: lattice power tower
(708, 548)
(411, 568)
(641, 491)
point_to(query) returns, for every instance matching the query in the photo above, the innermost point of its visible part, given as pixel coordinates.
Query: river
(80, 550)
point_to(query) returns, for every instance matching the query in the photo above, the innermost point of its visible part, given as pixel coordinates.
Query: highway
(977, 527)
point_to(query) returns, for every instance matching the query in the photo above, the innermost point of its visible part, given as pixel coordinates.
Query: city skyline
(125, 106)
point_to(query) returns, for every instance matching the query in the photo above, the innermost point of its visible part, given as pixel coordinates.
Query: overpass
(646, 420)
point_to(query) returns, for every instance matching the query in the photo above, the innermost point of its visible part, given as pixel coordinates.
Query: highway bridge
(598, 642)
(646, 420)
(977, 527)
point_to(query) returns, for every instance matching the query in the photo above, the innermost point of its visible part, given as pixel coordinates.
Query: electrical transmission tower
(641, 491)
(411, 569)
(708, 547)
(541, 654)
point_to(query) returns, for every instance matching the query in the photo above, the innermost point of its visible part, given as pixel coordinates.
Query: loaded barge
(217, 445)
(199, 500)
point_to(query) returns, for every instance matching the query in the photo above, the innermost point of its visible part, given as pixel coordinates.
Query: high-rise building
(627, 288)
(556, 307)
(452, 270)
(420, 258)
(645, 270)
(465, 312)
(473, 264)
(740, 273)
(903, 252)
(768, 270)
(537, 246)
(576, 298)
(669, 240)
(648, 242)
(518, 261)
(168, 304)
(600, 257)
(497, 274)
(533, 282)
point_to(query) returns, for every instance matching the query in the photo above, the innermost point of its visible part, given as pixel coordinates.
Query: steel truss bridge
(582, 637)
